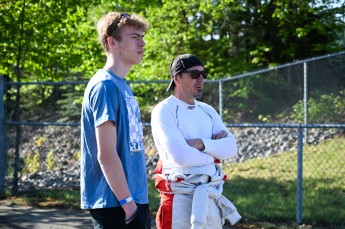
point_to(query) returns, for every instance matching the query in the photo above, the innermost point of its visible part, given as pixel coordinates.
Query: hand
(221, 134)
(196, 143)
(131, 218)
(140, 220)
(130, 210)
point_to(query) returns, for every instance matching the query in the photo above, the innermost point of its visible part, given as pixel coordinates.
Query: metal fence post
(221, 99)
(2, 137)
(299, 196)
(305, 98)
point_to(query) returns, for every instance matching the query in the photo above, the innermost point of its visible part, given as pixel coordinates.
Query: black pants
(114, 218)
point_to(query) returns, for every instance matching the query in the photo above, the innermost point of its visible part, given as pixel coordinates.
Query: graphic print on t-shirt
(135, 125)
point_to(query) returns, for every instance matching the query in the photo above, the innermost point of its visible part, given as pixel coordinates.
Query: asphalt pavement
(20, 217)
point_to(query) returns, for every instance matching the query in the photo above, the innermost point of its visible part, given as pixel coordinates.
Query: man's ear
(111, 42)
(177, 79)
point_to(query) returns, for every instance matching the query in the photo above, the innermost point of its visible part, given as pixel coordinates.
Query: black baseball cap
(181, 63)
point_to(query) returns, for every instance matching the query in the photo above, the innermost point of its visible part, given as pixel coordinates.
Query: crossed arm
(174, 146)
(199, 144)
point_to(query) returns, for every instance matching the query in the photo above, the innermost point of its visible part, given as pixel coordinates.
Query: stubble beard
(198, 94)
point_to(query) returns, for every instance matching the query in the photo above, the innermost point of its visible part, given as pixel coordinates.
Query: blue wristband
(125, 201)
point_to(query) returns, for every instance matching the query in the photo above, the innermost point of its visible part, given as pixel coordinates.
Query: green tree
(42, 39)
(236, 36)
(49, 40)
(56, 40)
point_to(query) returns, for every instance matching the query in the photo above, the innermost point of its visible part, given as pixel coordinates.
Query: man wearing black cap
(191, 139)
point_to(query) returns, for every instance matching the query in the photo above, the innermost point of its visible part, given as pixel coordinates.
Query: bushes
(328, 108)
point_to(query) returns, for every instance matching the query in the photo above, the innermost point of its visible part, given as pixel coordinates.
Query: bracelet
(125, 201)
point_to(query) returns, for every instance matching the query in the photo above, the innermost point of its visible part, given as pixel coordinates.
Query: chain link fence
(290, 168)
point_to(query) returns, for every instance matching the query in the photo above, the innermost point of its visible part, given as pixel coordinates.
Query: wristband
(125, 201)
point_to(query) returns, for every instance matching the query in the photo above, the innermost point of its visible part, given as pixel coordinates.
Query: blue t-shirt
(109, 97)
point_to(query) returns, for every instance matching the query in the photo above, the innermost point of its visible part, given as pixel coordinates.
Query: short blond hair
(110, 26)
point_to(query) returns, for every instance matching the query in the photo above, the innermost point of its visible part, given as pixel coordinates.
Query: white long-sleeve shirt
(174, 121)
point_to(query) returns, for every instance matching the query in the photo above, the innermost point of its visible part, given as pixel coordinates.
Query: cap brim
(171, 85)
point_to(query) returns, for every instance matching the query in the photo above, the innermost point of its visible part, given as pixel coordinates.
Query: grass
(46, 198)
(263, 189)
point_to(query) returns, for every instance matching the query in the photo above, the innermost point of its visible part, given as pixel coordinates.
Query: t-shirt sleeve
(104, 102)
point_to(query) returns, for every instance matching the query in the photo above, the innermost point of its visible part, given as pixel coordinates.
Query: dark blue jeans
(114, 218)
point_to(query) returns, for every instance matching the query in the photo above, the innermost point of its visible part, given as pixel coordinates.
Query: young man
(191, 139)
(113, 168)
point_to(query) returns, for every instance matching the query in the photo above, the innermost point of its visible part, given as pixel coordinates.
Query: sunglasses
(125, 15)
(195, 74)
